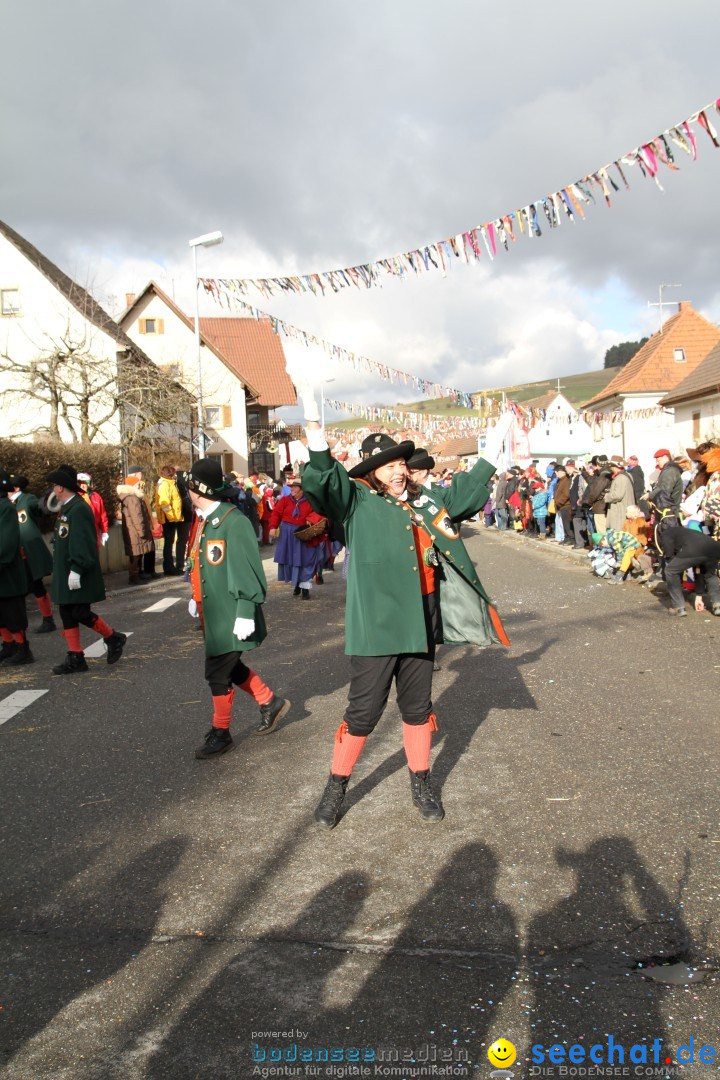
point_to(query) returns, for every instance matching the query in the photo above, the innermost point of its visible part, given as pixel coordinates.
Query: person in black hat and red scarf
(13, 583)
(228, 591)
(77, 580)
(411, 585)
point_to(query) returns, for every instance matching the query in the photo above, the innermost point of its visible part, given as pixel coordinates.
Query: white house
(695, 405)
(558, 431)
(59, 351)
(641, 386)
(242, 369)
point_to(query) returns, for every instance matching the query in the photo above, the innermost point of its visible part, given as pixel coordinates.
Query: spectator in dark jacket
(666, 492)
(634, 471)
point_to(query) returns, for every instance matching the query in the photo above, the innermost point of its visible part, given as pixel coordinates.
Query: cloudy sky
(326, 133)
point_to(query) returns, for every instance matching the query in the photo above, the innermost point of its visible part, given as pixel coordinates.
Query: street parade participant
(228, 590)
(411, 585)
(419, 466)
(77, 578)
(35, 552)
(13, 584)
(95, 501)
(297, 559)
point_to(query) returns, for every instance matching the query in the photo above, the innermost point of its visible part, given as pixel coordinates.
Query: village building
(243, 376)
(695, 405)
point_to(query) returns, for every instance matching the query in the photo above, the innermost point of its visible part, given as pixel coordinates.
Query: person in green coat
(36, 554)
(13, 586)
(77, 578)
(228, 591)
(411, 585)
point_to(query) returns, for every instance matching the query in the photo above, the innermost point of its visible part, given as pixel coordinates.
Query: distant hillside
(576, 388)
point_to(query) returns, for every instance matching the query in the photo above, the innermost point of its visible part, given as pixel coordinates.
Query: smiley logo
(502, 1053)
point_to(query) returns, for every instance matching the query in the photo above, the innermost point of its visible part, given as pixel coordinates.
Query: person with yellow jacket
(168, 510)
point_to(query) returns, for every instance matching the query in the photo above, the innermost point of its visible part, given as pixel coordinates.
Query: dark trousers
(35, 587)
(74, 614)
(13, 614)
(578, 523)
(148, 562)
(170, 529)
(706, 580)
(566, 518)
(224, 670)
(183, 532)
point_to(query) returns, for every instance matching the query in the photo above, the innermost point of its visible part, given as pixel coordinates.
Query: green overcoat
(232, 580)
(36, 550)
(75, 548)
(13, 581)
(384, 612)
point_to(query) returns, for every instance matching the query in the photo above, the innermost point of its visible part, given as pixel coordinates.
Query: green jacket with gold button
(36, 550)
(232, 580)
(12, 572)
(384, 614)
(75, 548)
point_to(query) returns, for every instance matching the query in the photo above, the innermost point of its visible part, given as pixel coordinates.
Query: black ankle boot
(271, 714)
(305, 594)
(73, 662)
(217, 741)
(115, 645)
(328, 809)
(296, 590)
(423, 796)
(22, 655)
(47, 625)
(9, 648)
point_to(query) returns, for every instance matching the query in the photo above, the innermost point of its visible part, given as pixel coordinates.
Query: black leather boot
(22, 655)
(305, 594)
(115, 645)
(217, 741)
(328, 809)
(296, 590)
(73, 663)
(9, 648)
(271, 714)
(47, 625)
(423, 796)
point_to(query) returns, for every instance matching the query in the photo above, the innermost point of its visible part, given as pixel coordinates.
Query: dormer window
(679, 356)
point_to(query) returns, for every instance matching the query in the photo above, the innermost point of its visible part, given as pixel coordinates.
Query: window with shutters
(213, 415)
(151, 326)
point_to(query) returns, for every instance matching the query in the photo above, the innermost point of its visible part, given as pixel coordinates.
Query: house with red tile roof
(640, 425)
(243, 375)
(695, 404)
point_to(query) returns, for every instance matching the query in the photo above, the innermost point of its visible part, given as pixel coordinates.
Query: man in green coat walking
(77, 578)
(228, 591)
(36, 554)
(13, 586)
(411, 585)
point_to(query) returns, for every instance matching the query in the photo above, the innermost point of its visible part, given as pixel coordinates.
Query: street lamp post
(206, 240)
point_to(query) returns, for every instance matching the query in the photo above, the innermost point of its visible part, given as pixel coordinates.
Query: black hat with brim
(6, 484)
(379, 450)
(421, 460)
(66, 477)
(206, 478)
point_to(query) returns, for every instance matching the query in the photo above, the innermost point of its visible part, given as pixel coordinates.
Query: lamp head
(207, 239)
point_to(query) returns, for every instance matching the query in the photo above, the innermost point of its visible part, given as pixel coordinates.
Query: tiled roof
(255, 353)
(654, 368)
(457, 448)
(80, 298)
(705, 379)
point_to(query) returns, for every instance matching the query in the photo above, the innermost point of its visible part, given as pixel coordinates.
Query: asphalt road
(161, 915)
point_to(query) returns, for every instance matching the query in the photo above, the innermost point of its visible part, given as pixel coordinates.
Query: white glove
(104, 538)
(73, 580)
(243, 628)
(193, 609)
(306, 393)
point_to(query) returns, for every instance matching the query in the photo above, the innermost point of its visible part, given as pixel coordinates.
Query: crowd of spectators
(665, 527)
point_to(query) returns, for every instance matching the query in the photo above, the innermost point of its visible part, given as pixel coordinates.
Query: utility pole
(662, 303)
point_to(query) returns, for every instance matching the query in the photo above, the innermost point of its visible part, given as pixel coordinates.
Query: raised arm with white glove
(306, 393)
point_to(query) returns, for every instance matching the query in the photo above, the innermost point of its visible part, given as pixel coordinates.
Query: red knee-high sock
(417, 739)
(222, 709)
(256, 688)
(73, 639)
(6, 635)
(19, 637)
(101, 627)
(43, 602)
(348, 749)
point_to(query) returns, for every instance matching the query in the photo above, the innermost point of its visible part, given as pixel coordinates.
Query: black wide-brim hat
(206, 478)
(421, 460)
(379, 450)
(65, 476)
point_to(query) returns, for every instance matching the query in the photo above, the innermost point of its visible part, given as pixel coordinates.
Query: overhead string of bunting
(570, 202)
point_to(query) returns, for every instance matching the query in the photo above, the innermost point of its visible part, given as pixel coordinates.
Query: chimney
(129, 299)
(685, 305)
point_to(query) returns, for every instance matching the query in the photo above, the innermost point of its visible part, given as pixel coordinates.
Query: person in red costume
(297, 560)
(96, 504)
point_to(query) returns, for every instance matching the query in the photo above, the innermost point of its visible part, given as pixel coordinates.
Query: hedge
(36, 459)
